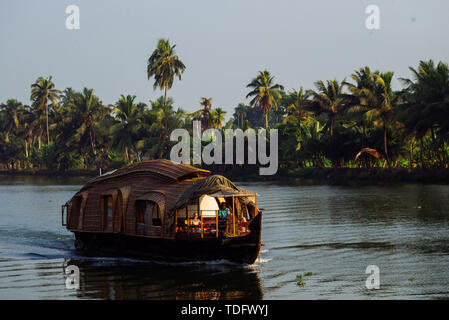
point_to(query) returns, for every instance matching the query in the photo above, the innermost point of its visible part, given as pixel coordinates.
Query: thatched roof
(162, 167)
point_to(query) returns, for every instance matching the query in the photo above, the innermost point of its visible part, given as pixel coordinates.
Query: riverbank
(340, 176)
(372, 176)
(319, 175)
(50, 173)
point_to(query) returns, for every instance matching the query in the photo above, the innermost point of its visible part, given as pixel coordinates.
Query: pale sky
(222, 43)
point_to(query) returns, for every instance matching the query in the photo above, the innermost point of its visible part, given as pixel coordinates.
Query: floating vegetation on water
(411, 279)
(299, 279)
(301, 283)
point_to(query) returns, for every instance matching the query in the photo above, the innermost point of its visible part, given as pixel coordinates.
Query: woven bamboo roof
(162, 167)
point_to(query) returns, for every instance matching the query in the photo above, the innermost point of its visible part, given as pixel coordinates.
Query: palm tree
(357, 104)
(328, 99)
(9, 116)
(264, 92)
(426, 102)
(129, 116)
(42, 91)
(164, 114)
(29, 128)
(311, 141)
(164, 119)
(164, 65)
(240, 113)
(297, 102)
(204, 114)
(382, 100)
(83, 114)
(218, 116)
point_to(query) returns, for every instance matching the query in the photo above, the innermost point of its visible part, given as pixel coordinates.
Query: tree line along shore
(353, 128)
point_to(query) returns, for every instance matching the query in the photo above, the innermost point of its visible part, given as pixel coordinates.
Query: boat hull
(241, 249)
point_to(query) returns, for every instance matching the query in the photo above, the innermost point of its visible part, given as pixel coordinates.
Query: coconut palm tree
(430, 88)
(426, 103)
(265, 93)
(29, 128)
(42, 92)
(83, 113)
(297, 102)
(357, 104)
(10, 113)
(328, 99)
(164, 115)
(218, 116)
(164, 65)
(240, 113)
(125, 131)
(383, 101)
(204, 115)
(163, 119)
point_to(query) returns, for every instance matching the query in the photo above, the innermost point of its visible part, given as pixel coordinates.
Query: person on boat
(223, 212)
(243, 225)
(195, 221)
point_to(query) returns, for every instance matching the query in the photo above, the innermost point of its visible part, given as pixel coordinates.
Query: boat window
(140, 209)
(156, 216)
(147, 216)
(148, 213)
(108, 214)
(79, 211)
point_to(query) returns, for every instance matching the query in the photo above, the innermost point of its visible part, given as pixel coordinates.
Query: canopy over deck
(227, 194)
(214, 186)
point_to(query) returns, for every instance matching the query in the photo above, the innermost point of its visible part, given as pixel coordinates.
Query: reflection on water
(330, 233)
(140, 280)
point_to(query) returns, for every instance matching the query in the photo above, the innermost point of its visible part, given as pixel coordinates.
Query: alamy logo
(73, 277)
(72, 22)
(212, 153)
(372, 21)
(373, 280)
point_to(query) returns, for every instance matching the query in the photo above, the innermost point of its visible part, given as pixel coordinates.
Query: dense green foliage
(324, 127)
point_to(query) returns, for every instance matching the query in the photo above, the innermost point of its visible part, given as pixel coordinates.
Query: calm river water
(332, 232)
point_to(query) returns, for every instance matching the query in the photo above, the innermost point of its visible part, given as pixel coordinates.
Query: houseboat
(164, 211)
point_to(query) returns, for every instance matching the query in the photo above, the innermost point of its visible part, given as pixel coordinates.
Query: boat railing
(211, 225)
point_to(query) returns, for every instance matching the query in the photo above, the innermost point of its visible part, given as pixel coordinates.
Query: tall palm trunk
(421, 140)
(92, 141)
(26, 148)
(364, 136)
(332, 124)
(165, 96)
(385, 145)
(126, 154)
(48, 132)
(438, 150)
